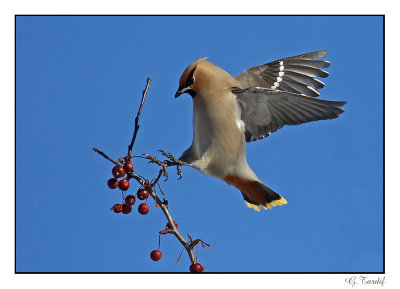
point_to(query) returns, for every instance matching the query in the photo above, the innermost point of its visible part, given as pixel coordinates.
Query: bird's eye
(190, 79)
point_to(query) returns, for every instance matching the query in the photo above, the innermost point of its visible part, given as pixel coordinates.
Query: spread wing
(265, 110)
(293, 74)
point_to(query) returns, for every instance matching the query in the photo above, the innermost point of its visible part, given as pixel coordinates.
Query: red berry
(126, 209)
(155, 255)
(112, 183)
(143, 208)
(170, 227)
(196, 268)
(128, 166)
(142, 194)
(117, 208)
(130, 200)
(118, 171)
(123, 184)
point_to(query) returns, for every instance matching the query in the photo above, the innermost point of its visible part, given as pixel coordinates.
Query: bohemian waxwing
(229, 111)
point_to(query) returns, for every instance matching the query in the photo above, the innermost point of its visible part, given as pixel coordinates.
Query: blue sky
(78, 85)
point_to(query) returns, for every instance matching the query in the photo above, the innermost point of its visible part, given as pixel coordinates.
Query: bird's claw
(178, 168)
(168, 155)
(160, 163)
(174, 162)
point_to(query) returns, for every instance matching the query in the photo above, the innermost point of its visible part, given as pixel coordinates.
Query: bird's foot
(167, 163)
(163, 165)
(174, 162)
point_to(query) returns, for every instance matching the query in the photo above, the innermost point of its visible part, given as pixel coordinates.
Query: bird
(230, 111)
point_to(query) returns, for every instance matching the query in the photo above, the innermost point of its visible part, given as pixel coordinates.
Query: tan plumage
(227, 112)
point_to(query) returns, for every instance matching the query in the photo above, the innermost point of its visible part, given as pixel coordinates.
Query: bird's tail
(271, 198)
(255, 193)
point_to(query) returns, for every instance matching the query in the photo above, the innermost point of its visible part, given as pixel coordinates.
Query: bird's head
(187, 81)
(202, 76)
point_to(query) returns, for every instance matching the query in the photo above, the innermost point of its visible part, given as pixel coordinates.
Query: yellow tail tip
(274, 203)
(252, 206)
(269, 205)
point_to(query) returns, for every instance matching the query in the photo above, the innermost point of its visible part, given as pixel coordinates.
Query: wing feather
(285, 87)
(264, 111)
(305, 80)
(306, 70)
(293, 74)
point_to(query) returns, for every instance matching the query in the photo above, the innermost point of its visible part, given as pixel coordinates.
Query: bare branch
(164, 207)
(137, 118)
(105, 156)
(174, 230)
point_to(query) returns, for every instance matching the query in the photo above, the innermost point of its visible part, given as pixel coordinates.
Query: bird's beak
(181, 91)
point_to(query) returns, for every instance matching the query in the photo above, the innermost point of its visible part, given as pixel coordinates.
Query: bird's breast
(218, 136)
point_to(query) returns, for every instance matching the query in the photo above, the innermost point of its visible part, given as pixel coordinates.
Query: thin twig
(137, 118)
(105, 156)
(158, 177)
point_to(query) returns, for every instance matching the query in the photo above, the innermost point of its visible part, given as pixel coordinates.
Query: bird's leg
(167, 163)
(174, 162)
(164, 165)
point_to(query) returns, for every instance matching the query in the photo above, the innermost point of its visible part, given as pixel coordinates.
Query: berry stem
(180, 255)
(162, 193)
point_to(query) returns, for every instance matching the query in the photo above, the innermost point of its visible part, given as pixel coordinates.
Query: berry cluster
(119, 172)
(127, 200)
(125, 167)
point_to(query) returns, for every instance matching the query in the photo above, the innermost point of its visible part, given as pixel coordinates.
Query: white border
(188, 7)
